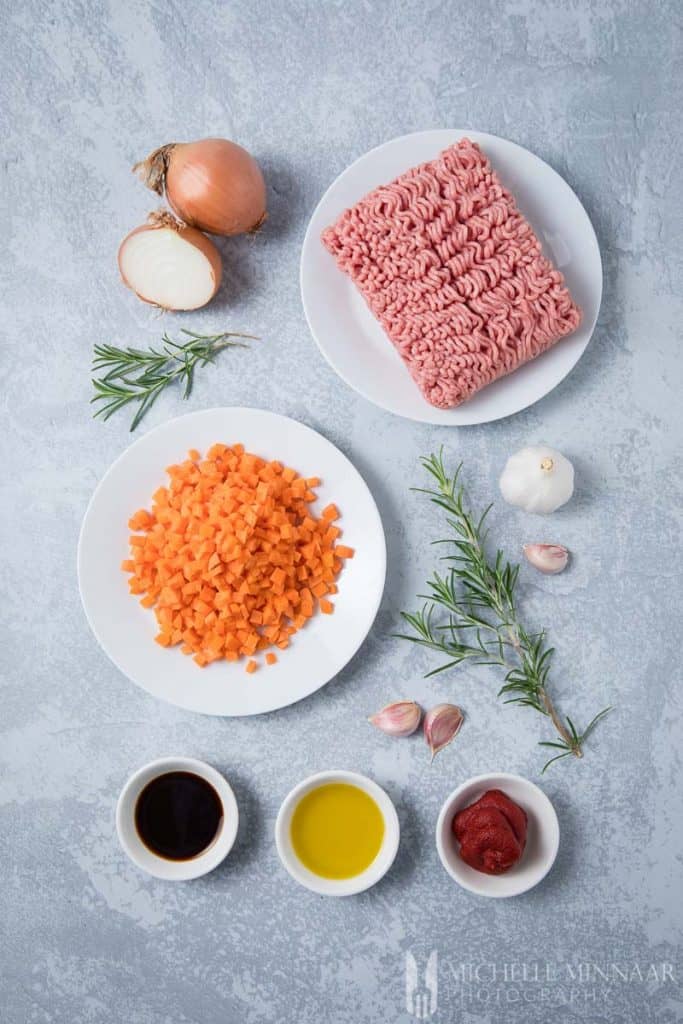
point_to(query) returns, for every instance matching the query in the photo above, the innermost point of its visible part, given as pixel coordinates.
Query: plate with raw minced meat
(231, 561)
(451, 277)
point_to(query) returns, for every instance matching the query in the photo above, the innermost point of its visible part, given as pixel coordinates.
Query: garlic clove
(398, 719)
(441, 726)
(547, 558)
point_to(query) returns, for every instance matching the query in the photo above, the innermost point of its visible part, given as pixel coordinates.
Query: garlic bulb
(398, 719)
(538, 479)
(547, 558)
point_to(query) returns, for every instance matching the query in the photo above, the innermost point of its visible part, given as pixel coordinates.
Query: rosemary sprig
(481, 624)
(137, 375)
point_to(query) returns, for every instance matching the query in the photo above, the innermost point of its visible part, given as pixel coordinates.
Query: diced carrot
(231, 557)
(141, 520)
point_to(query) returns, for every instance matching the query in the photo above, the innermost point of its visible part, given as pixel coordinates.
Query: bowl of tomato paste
(497, 835)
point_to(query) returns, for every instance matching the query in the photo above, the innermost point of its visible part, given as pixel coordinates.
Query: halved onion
(212, 184)
(169, 264)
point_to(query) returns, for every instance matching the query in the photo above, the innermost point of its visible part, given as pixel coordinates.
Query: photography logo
(422, 992)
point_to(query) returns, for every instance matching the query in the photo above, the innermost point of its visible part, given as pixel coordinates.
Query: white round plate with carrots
(246, 578)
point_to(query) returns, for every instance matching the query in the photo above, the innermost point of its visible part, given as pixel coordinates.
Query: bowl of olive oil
(337, 833)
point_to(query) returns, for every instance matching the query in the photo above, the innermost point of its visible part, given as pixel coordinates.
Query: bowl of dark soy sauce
(177, 818)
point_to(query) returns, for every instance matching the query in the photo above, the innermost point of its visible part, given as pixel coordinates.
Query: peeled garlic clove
(441, 725)
(547, 558)
(398, 719)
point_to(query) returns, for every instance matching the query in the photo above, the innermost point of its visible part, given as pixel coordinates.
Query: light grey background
(309, 86)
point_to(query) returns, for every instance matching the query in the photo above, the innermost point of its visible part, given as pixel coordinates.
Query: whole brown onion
(214, 184)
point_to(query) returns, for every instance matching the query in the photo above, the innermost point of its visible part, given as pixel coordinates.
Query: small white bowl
(543, 836)
(337, 886)
(160, 867)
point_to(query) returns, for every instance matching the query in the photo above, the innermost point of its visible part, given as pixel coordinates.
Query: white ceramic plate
(338, 886)
(543, 836)
(354, 343)
(126, 630)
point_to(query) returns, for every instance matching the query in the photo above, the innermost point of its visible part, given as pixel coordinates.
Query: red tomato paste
(491, 833)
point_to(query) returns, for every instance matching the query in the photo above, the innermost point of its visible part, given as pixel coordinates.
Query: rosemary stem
(547, 703)
(557, 722)
(139, 376)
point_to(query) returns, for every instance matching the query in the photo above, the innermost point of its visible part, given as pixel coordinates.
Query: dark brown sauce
(177, 815)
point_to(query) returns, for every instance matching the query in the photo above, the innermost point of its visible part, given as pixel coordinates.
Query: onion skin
(191, 235)
(213, 184)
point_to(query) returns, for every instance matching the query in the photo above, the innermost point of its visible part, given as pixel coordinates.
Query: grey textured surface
(86, 90)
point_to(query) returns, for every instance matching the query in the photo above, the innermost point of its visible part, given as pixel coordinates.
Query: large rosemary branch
(136, 375)
(481, 625)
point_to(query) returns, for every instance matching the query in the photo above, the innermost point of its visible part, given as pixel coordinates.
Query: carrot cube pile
(231, 557)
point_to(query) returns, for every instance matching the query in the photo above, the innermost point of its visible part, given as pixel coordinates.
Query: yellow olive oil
(337, 830)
